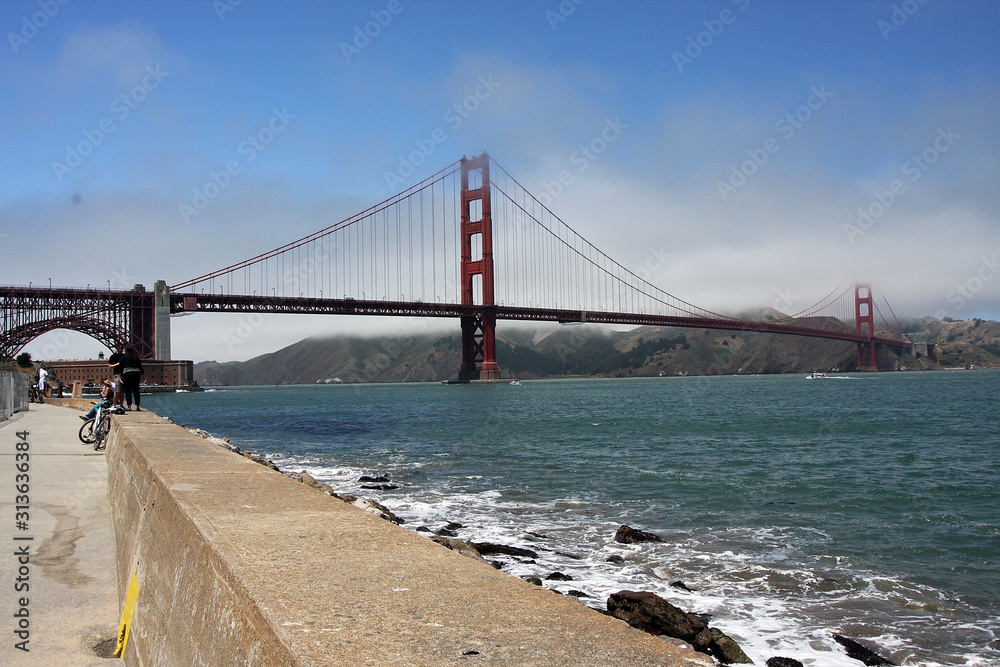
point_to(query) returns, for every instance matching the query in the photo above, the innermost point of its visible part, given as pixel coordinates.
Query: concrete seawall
(240, 565)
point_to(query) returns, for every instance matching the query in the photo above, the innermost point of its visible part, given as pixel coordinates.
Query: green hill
(593, 350)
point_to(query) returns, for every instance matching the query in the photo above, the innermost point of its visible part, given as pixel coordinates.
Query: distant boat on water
(819, 375)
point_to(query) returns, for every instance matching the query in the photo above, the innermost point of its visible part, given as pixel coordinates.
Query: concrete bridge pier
(161, 321)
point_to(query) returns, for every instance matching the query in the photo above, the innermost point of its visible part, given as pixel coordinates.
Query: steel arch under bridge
(113, 317)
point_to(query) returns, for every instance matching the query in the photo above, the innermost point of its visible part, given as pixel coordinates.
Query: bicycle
(95, 430)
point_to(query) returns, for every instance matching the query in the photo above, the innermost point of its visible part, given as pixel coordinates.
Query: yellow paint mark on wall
(125, 625)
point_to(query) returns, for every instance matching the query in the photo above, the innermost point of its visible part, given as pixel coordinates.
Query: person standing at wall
(114, 363)
(43, 387)
(132, 374)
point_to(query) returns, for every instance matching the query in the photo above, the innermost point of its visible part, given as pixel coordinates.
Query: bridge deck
(220, 303)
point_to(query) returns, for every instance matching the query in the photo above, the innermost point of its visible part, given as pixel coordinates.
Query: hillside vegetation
(592, 350)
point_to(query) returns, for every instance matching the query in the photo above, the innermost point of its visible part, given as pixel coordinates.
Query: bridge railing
(13, 393)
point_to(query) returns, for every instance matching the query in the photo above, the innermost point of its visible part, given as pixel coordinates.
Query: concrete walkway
(72, 603)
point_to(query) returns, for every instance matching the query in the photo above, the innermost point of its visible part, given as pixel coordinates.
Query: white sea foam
(755, 584)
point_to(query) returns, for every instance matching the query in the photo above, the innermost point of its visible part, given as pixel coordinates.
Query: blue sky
(163, 94)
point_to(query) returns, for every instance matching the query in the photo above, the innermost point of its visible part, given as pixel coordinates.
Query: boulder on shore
(651, 613)
(491, 548)
(460, 546)
(859, 651)
(629, 535)
(778, 661)
(309, 480)
(376, 508)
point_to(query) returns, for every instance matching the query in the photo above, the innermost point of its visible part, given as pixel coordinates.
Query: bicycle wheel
(87, 432)
(101, 433)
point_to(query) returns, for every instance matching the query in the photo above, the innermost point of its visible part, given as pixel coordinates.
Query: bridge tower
(478, 330)
(864, 321)
(161, 321)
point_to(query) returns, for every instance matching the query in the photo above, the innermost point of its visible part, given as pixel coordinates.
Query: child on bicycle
(107, 396)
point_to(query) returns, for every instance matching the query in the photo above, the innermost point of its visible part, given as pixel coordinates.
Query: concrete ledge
(240, 565)
(76, 403)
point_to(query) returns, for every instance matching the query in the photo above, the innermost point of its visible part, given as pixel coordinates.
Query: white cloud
(124, 49)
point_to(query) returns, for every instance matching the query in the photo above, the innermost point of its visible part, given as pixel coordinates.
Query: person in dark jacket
(114, 363)
(132, 374)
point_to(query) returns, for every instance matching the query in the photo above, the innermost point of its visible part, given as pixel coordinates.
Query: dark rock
(424, 529)
(534, 580)
(559, 576)
(995, 644)
(490, 548)
(783, 662)
(346, 497)
(614, 558)
(570, 556)
(379, 510)
(368, 478)
(470, 652)
(453, 525)
(577, 594)
(720, 646)
(538, 535)
(458, 545)
(379, 487)
(629, 535)
(653, 614)
(445, 532)
(704, 618)
(681, 585)
(261, 460)
(497, 565)
(308, 480)
(859, 651)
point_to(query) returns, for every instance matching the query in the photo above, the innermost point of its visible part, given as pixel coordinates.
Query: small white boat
(818, 375)
(515, 382)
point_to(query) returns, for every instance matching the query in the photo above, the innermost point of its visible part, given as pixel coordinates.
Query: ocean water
(793, 509)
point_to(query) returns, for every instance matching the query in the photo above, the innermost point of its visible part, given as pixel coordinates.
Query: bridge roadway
(221, 303)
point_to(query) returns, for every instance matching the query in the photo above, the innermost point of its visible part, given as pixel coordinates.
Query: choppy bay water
(793, 508)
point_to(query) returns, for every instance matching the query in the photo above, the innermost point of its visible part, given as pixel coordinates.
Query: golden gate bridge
(469, 242)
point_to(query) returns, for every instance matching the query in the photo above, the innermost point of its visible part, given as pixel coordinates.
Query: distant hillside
(592, 350)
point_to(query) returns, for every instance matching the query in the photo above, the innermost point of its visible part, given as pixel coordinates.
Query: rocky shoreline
(640, 609)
